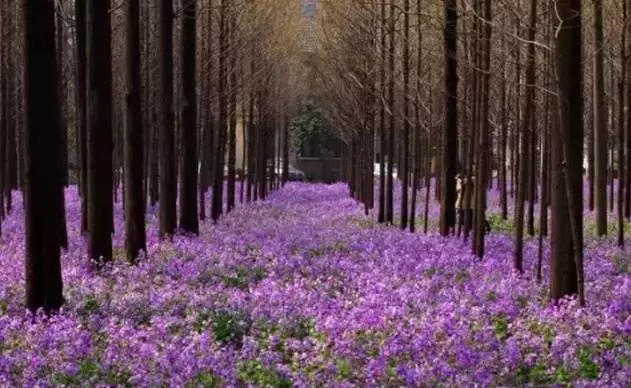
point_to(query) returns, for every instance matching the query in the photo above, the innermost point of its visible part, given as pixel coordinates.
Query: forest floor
(304, 290)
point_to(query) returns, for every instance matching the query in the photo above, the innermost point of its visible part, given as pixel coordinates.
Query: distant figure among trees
(464, 209)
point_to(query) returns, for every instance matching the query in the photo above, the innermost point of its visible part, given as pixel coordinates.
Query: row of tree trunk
(527, 139)
(157, 135)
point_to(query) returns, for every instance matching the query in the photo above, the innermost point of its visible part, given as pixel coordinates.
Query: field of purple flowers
(303, 290)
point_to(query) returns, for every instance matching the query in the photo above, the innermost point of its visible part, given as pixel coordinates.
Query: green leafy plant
(243, 277)
(587, 367)
(500, 326)
(204, 380)
(255, 373)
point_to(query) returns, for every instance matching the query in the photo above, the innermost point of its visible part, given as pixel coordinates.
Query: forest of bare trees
(131, 100)
(465, 221)
(149, 96)
(520, 96)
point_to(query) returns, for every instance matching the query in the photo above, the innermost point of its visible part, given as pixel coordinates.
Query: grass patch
(204, 380)
(255, 373)
(244, 277)
(621, 263)
(498, 224)
(228, 326)
(90, 372)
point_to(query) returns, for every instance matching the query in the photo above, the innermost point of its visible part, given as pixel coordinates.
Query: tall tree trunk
(600, 125)
(533, 139)
(621, 188)
(392, 121)
(381, 214)
(525, 136)
(99, 130)
(3, 114)
(80, 106)
(188, 190)
(416, 134)
(566, 268)
(450, 134)
(543, 204)
(549, 124)
(484, 156)
(43, 159)
(428, 165)
(145, 44)
(405, 140)
(232, 102)
(222, 129)
(63, 175)
(590, 161)
(244, 153)
(251, 173)
(627, 134)
(285, 150)
(204, 110)
(61, 43)
(516, 133)
(503, 134)
(168, 173)
(135, 240)
(473, 140)
(621, 123)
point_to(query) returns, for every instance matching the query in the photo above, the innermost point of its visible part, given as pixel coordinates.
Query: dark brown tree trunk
(80, 106)
(621, 188)
(503, 135)
(135, 240)
(188, 190)
(10, 147)
(610, 105)
(285, 151)
(244, 132)
(590, 162)
(566, 261)
(251, 147)
(627, 133)
(222, 128)
(3, 113)
(99, 130)
(154, 163)
(145, 44)
(532, 175)
(63, 176)
(549, 125)
(470, 189)
(4, 108)
(610, 172)
(381, 214)
(405, 140)
(484, 141)
(528, 126)
(416, 134)
(428, 166)
(600, 124)
(204, 111)
(621, 123)
(168, 173)
(450, 134)
(232, 102)
(543, 205)
(392, 121)
(516, 133)
(61, 42)
(43, 188)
